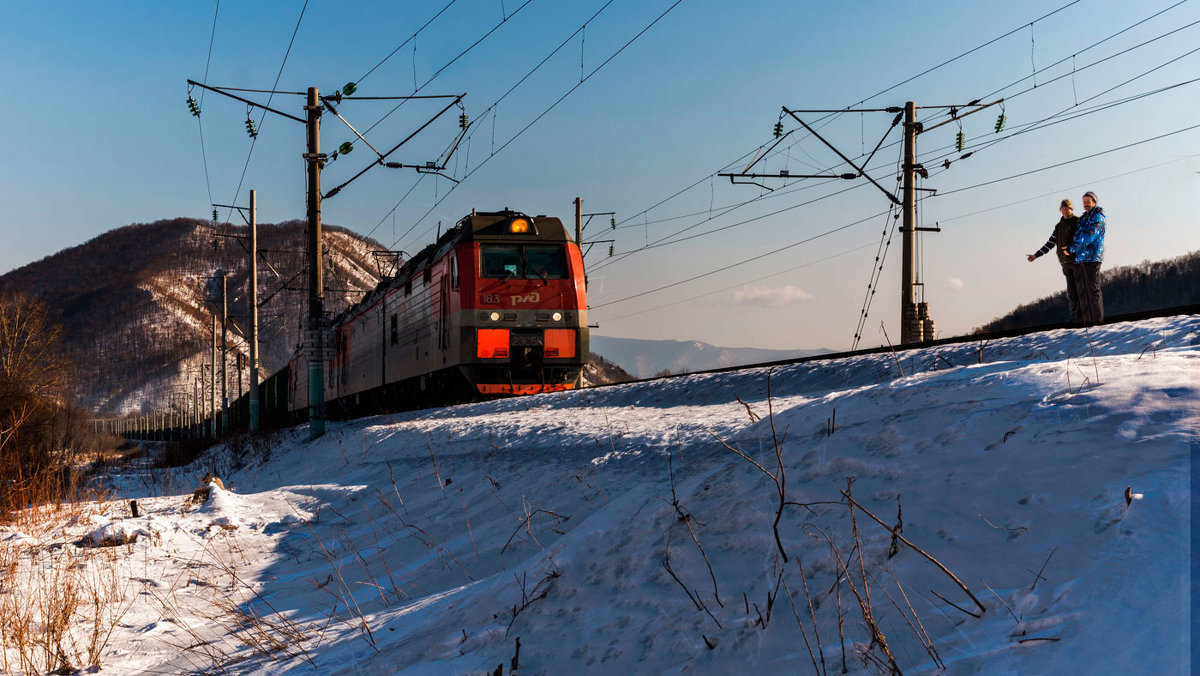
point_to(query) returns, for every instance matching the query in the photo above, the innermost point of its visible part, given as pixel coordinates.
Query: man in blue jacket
(1087, 252)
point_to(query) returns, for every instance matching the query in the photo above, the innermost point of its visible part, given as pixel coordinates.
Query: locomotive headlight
(557, 316)
(494, 316)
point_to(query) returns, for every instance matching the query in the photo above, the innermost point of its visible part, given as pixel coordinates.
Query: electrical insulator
(462, 121)
(345, 148)
(193, 106)
(349, 88)
(610, 250)
(612, 222)
(250, 128)
(214, 214)
(778, 129)
(1000, 123)
(960, 141)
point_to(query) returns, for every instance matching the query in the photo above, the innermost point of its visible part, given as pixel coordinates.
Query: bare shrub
(59, 606)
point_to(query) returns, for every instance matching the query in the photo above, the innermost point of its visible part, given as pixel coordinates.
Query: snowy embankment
(632, 528)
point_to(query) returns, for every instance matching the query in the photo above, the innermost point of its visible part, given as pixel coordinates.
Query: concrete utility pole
(916, 323)
(195, 427)
(212, 377)
(316, 279)
(910, 327)
(224, 356)
(240, 362)
(253, 311)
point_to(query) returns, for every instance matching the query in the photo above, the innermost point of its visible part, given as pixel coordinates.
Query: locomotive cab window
(500, 261)
(529, 262)
(545, 262)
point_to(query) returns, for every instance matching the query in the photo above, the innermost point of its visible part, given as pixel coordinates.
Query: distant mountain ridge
(646, 358)
(135, 303)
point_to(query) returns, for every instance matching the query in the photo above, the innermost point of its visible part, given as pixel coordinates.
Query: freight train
(495, 307)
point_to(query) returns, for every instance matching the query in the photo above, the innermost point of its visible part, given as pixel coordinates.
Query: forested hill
(136, 303)
(1131, 288)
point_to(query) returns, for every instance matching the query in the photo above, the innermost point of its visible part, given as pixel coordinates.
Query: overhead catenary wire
(665, 242)
(450, 63)
(503, 96)
(1060, 191)
(742, 262)
(262, 117)
(1085, 67)
(672, 238)
(199, 123)
(885, 242)
(605, 263)
(1015, 132)
(1071, 161)
(1074, 70)
(727, 267)
(848, 225)
(1058, 118)
(1091, 46)
(865, 99)
(552, 106)
(1045, 122)
(1030, 126)
(968, 52)
(742, 284)
(1053, 120)
(892, 237)
(403, 44)
(940, 194)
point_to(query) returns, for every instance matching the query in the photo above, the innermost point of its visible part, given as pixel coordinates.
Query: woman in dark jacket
(1064, 234)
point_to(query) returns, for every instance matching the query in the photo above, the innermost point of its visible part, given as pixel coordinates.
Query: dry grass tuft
(59, 605)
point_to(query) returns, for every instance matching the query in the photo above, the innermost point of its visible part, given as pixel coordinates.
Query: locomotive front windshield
(529, 262)
(501, 261)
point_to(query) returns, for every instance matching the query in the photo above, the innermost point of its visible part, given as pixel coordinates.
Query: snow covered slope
(631, 529)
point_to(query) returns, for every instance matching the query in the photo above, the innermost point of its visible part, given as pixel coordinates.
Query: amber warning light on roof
(518, 226)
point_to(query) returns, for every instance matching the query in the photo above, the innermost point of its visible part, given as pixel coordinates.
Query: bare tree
(33, 380)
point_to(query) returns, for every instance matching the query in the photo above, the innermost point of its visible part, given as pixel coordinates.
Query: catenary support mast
(316, 290)
(908, 307)
(253, 305)
(224, 356)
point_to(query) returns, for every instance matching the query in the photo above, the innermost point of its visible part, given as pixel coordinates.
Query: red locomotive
(496, 306)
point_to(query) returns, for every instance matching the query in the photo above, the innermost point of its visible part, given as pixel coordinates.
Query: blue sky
(98, 136)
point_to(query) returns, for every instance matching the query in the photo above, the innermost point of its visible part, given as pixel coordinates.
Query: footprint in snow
(1128, 430)
(1108, 518)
